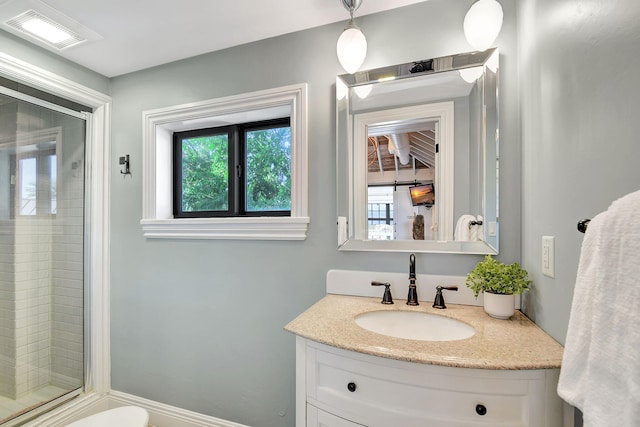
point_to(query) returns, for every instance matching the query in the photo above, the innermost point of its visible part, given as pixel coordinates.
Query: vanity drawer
(382, 392)
(320, 418)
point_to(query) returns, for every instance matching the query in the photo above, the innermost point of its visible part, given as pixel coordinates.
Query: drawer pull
(481, 409)
(352, 387)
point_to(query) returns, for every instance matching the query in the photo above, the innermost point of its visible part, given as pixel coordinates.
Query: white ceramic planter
(499, 306)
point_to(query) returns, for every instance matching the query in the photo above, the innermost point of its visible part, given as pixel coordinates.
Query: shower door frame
(97, 223)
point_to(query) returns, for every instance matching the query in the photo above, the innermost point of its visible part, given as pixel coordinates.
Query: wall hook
(125, 161)
(583, 225)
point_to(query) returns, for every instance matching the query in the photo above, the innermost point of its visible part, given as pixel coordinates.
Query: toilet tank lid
(124, 416)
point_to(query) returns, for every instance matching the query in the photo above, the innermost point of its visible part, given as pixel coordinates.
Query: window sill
(261, 228)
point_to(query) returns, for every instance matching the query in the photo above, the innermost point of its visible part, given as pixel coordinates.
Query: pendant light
(482, 24)
(352, 44)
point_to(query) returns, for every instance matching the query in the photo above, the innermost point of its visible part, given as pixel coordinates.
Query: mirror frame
(348, 127)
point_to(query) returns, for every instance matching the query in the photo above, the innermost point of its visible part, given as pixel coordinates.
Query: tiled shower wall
(7, 269)
(41, 277)
(24, 306)
(7, 313)
(67, 289)
(32, 262)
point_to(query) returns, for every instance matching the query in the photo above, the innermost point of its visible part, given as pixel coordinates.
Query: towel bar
(583, 224)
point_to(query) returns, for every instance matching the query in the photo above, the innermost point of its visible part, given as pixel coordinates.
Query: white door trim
(443, 114)
(98, 377)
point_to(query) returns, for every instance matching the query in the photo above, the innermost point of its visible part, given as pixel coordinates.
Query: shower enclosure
(42, 254)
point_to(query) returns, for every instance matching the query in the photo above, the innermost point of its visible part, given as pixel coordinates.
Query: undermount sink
(415, 325)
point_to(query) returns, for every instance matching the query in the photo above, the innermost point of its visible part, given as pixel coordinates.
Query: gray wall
(198, 324)
(579, 94)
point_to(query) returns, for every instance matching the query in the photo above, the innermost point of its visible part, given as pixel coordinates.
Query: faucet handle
(386, 298)
(438, 301)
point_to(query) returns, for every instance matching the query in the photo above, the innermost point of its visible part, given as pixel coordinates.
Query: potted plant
(500, 283)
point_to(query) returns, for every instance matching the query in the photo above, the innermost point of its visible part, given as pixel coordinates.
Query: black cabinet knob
(481, 409)
(352, 387)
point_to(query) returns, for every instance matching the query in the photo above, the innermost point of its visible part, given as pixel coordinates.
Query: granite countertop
(512, 344)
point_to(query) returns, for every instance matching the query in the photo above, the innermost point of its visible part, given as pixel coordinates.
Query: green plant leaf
(491, 275)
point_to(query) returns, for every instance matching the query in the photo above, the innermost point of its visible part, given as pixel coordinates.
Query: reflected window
(33, 182)
(27, 177)
(53, 177)
(381, 225)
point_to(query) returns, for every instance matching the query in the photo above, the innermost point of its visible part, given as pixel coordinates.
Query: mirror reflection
(417, 156)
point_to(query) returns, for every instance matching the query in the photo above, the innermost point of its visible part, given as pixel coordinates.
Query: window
(241, 170)
(33, 183)
(29, 167)
(380, 209)
(380, 213)
(253, 222)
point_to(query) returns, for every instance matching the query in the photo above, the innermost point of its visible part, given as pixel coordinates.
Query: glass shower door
(42, 151)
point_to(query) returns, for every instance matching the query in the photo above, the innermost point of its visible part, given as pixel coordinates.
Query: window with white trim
(160, 217)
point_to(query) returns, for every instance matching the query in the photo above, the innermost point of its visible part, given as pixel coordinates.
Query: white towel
(342, 230)
(476, 232)
(600, 371)
(462, 231)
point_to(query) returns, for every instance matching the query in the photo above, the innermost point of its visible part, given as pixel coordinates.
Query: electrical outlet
(493, 228)
(548, 256)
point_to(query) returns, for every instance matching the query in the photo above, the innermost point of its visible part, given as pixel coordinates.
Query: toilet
(125, 416)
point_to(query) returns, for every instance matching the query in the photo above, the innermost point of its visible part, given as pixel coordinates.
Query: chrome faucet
(412, 298)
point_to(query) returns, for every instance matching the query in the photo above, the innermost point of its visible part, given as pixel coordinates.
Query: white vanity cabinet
(319, 418)
(340, 388)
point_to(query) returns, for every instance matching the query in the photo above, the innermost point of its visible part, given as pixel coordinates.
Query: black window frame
(386, 219)
(237, 165)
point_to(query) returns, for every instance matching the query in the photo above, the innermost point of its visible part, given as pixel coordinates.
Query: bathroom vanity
(348, 374)
(504, 375)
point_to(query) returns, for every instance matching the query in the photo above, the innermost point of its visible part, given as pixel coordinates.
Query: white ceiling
(138, 34)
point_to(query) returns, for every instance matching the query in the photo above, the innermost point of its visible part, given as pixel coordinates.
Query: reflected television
(423, 195)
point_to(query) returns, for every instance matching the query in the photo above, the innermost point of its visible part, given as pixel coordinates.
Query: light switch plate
(548, 256)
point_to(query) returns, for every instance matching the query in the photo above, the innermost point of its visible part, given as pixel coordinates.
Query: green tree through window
(205, 173)
(241, 170)
(269, 169)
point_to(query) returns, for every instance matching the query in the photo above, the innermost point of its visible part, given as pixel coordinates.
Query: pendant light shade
(363, 91)
(482, 24)
(351, 48)
(472, 74)
(352, 44)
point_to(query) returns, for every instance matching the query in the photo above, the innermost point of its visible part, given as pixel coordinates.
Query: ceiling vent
(35, 24)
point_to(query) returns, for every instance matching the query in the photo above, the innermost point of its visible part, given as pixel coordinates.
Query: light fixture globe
(472, 74)
(363, 91)
(351, 48)
(482, 24)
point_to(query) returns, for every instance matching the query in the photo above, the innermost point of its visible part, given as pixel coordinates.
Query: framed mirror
(417, 156)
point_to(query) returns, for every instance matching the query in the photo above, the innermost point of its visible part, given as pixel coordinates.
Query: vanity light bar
(428, 66)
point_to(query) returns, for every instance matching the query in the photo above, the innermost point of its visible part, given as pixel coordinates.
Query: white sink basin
(415, 325)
